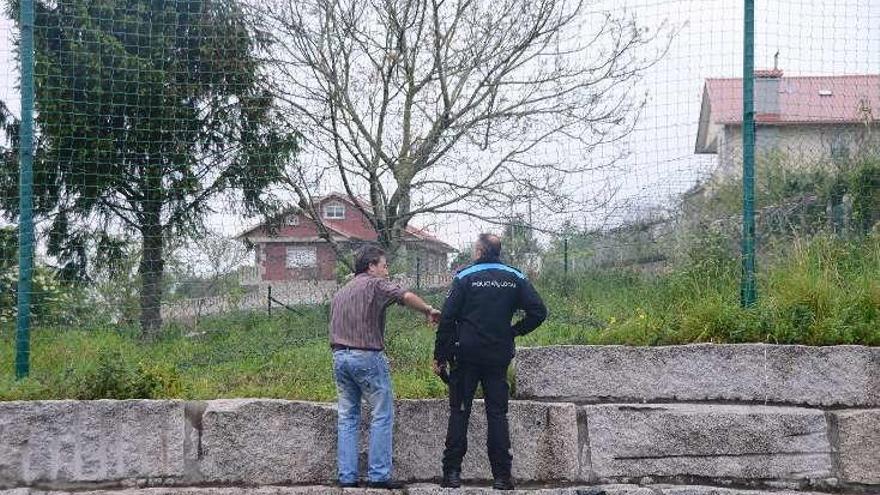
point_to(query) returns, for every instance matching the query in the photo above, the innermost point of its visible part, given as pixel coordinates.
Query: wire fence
(199, 159)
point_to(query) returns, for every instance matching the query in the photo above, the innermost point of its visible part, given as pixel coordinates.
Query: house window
(292, 220)
(301, 257)
(334, 211)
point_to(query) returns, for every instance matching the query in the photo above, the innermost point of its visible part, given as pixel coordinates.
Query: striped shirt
(357, 312)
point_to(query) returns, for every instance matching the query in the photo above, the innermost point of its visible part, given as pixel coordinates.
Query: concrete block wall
(702, 419)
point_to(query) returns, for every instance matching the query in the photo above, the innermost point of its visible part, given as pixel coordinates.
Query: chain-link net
(204, 170)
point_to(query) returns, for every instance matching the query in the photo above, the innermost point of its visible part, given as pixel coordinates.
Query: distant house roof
(846, 99)
(364, 232)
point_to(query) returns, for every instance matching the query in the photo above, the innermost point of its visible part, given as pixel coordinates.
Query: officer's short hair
(490, 244)
(366, 256)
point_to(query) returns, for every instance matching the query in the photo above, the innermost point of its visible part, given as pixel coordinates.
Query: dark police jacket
(475, 325)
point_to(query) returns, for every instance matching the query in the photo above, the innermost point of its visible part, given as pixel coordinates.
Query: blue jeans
(363, 374)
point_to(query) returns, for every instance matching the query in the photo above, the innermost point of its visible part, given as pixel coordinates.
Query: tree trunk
(150, 270)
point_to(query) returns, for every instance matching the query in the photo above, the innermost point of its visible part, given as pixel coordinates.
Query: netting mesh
(204, 170)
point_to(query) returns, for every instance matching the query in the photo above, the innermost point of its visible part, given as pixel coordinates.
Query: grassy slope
(821, 293)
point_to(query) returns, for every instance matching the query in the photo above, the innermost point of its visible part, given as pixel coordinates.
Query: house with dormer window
(810, 120)
(294, 250)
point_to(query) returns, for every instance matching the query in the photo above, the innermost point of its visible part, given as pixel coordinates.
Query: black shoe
(387, 484)
(503, 483)
(353, 484)
(451, 479)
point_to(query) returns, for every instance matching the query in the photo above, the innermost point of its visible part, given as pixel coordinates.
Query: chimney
(767, 92)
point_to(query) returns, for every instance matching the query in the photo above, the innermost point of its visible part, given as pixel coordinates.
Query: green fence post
(25, 190)
(565, 255)
(748, 291)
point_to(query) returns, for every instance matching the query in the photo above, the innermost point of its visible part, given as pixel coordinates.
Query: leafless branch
(457, 106)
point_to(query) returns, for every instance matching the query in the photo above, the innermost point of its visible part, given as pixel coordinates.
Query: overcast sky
(812, 37)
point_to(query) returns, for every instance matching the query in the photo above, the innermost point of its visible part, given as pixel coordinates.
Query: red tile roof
(852, 99)
(368, 234)
(363, 230)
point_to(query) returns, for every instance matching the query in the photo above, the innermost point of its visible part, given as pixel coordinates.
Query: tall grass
(818, 292)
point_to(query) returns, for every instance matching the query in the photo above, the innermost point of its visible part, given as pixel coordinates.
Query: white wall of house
(803, 145)
(429, 261)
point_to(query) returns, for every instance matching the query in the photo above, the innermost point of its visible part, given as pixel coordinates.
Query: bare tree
(456, 106)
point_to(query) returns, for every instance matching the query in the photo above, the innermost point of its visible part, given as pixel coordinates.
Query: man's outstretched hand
(433, 316)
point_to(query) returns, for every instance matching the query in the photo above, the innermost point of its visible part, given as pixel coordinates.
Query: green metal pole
(748, 290)
(25, 190)
(565, 255)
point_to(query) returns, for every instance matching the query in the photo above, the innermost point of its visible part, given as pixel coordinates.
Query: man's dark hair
(490, 244)
(366, 256)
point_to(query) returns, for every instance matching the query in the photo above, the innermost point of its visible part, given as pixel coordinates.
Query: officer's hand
(439, 368)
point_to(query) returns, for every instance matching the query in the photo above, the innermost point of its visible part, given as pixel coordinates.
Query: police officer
(474, 344)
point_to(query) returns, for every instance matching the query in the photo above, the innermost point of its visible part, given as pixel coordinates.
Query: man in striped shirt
(357, 337)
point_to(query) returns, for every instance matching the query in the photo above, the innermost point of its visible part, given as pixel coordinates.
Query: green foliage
(146, 111)
(819, 292)
(8, 247)
(797, 200)
(52, 300)
(343, 272)
(864, 185)
(777, 180)
(114, 376)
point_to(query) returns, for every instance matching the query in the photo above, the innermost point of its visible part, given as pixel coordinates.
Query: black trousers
(463, 379)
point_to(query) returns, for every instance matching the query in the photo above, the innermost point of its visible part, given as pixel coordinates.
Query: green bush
(864, 186)
(115, 377)
(26, 389)
(819, 291)
(52, 301)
